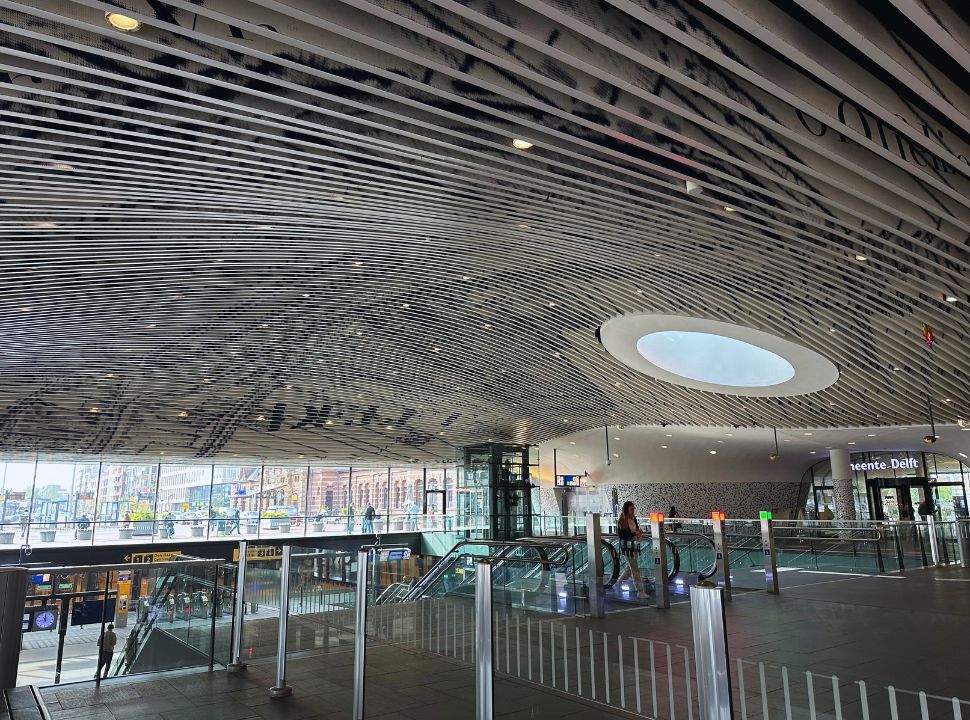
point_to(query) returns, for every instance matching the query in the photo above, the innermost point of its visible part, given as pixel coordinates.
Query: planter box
(316, 527)
(6, 538)
(143, 527)
(251, 528)
(162, 533)
(125, 533)
(48, 535)
(197, 530)
(85, 534)
(284, 527)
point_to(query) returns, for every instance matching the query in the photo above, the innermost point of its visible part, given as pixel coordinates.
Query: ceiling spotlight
(712, 452)
(389, 427)
(405, 305)
(929, 439)
(183, 414)
(94, 410)
(861, 258)
(572, 442)
(616, 455)
(962, 422)
(808, 434)
(851, 443)
(43, 225)
(26, 309)
(951, 298)
(260, 418)
(728, 208)
(328, 422)
(110, 375)
(773, 456)
(122, 22)
(871, 435)
(520, 144)
(616, 438)
(664, 447)
(693, 188)
(812, 452)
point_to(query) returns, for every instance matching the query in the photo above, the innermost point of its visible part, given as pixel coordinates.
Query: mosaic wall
(738, 500)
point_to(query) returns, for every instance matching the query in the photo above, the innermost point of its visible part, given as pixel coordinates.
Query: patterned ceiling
(300, 229)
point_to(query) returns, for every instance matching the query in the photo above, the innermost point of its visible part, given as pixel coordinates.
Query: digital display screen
(38, 579)
(89, 612)
(569, 480)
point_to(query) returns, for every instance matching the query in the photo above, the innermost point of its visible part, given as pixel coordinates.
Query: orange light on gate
(718, 515)
(656, 517)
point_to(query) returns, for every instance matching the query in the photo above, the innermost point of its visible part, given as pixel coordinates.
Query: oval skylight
(714, 359)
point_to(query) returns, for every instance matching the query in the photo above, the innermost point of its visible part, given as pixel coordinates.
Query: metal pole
(721, 552)
(214, 603)
(281, 689)
(594, 566)
(360, 635)
(934, 546)
(239, 611)
(484, 673)
(659, 559)
(711, 652)
(768, 548)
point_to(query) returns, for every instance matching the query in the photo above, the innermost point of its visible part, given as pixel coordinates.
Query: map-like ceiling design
(377, 229)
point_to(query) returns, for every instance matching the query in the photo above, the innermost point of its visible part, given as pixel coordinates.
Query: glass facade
(75, 500)
(891, 484)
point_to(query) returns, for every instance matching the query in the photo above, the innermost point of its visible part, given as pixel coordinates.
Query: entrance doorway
(888, 495)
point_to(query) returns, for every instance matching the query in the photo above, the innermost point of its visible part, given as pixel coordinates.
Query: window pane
(235, 491)
(283, 491)
(127, 488)
(17, 484)
(329, 492)
(369, 487)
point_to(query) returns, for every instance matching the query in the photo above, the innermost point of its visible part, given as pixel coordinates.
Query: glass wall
(90, 501)
(889, 484)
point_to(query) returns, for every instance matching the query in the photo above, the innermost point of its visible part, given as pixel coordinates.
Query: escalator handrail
(447, 560)
(614, 555)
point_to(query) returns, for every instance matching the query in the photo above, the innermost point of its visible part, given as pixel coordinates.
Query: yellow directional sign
(158, 556)
(260, 552)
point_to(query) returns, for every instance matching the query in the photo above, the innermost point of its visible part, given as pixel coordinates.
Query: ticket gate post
(659, 559)
(594, 566)
(768, 550)
(721, 551)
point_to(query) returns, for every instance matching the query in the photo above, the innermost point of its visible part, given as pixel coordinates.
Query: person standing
(106, 649)
(630, 533)
(24, 522)
(367, 525)
(351, 513)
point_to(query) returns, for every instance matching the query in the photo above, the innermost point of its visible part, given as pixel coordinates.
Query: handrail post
(281, 689)
(484, 657)
(239, 611)
(879, 561)
(360, 634)
(594, 566)
(721, 554)
(711, 652)
(934, 544)
(899, 549)
(659, 560)
(768, 550)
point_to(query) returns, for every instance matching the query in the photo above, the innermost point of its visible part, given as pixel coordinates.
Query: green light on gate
(766, 514)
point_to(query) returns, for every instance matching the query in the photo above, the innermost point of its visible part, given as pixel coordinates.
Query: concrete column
(842, 485)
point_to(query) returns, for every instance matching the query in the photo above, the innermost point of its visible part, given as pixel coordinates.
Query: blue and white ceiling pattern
(280, 229)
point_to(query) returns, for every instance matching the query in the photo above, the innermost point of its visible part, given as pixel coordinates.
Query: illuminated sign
(894, 464)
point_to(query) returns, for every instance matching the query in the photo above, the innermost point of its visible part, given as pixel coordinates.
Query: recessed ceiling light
(861, 258)
(850, 443)
(183, 414)
(260, 418)
(963, 455)
(520, 144)
(728, 208)
(572, 442)
(712, 452)
(436, 349)
(617, 437)
(466, 277)
(25, 308)
(811, 452)
(951, 298)
(328, 422)
(664, 447)
(110, 375)
(206, 380)
(487, 326)
(729, 434)
(262, 227)
(306, 295)
(122, 22)
(551, 304)
(359, 332)
(358, 263)
(616, 455)
(807, 434)
(668, 435)
(832, 329)
(405, 305)
(786, 440)
(720, 442)
(871, 435)
(389, 427)
(947, 400)
(46, 225)
(94, 410)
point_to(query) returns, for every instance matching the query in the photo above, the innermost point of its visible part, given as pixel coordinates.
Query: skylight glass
(714, 359)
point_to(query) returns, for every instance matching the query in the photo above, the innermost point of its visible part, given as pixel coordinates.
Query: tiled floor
(402, 686)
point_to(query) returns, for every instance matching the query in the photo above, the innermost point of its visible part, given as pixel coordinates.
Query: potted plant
(278, 520)
(142, 519)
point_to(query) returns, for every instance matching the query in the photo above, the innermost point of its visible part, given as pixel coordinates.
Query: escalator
(160, 604)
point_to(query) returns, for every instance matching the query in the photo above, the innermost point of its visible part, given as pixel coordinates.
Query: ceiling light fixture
(952, 298)
(389, 427)
(712, 452)
(122, 22)
(43, 225)
(183, 414)
(572, 442)
(963, 455)
(664, 447)
(861, 258)
(328, 422)
(728, 208)
(94, 410)
(520, 144)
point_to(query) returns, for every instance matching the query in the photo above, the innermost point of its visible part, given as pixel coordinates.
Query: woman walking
(630, 533)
